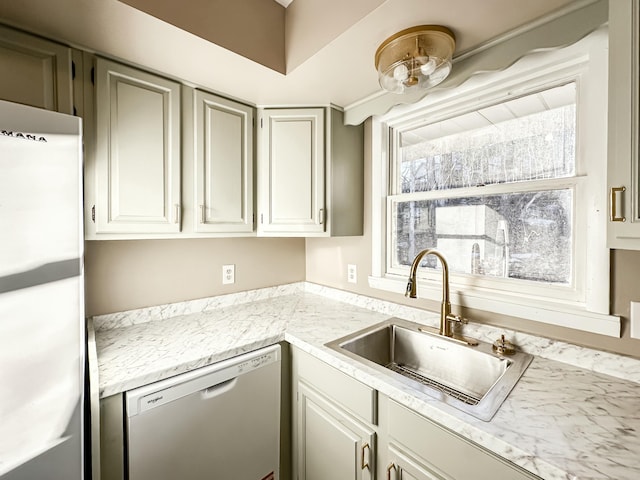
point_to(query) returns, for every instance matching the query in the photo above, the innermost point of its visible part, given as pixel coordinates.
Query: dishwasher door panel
(227, 431)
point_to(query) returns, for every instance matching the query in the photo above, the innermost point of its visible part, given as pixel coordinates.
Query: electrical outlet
(634, 319)
(228, 274)
(352, 274)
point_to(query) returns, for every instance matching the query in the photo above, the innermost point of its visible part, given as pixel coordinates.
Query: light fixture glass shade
(415, 58)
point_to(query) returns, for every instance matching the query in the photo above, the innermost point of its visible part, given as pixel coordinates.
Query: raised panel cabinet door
(403, 467)
(439, 450)
(292, 172)
(624, 118)
(35, 72)
(223, 137)
(331, 443)
(137, 151)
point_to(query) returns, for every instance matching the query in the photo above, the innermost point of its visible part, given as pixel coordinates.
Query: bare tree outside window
(523, 233)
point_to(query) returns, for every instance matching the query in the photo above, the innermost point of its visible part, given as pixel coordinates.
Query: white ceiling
(284, 3)
(342, 72)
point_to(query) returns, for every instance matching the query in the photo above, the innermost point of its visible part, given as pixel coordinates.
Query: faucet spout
(445, 307)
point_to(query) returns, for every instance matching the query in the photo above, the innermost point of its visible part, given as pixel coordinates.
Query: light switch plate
(634, 319)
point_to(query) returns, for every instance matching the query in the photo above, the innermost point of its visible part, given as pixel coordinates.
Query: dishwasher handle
(219, 389)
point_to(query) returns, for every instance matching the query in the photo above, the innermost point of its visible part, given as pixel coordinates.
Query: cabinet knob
(321, 216)
(614, 204)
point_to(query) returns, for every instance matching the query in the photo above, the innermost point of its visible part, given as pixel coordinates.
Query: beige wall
(327, 260)
(122, 275)
(127, 274)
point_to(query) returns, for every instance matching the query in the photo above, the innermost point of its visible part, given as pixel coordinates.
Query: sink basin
(473, 379)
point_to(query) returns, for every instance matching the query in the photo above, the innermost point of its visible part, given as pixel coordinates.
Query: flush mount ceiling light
(416, 58)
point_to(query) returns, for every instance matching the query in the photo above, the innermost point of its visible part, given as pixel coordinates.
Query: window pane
(529, 138)
(515, 235)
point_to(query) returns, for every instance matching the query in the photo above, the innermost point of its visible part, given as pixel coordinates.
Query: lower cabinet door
(331, 443)
(403, 467)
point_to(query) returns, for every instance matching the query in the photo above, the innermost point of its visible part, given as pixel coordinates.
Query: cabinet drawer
(356, 397)
(443, 449)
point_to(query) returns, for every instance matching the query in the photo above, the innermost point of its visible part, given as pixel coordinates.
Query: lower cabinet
(402, 466)
(343, 429)
(334, 433)
(331, 443)
(422, 449)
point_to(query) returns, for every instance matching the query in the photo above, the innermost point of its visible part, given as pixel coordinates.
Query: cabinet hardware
(73, 70)
(93, 214)
(614, 204)
(202, 214)
(390, 467)
(178, 212)
(321, 216)
(364, 464)
(261, 218)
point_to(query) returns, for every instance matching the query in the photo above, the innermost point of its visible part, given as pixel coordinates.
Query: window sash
(573, 291)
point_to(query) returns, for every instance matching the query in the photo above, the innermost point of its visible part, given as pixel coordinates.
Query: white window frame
(584, 305)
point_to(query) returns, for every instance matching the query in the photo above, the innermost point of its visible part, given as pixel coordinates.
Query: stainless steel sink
(473, 379)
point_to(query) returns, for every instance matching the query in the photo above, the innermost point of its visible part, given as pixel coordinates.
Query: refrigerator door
(41, 295)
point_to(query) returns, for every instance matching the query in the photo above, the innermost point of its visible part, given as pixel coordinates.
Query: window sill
(561, 314)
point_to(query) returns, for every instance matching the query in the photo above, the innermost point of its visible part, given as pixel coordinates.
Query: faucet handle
(457, 319)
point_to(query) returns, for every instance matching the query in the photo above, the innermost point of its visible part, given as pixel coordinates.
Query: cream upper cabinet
(137, 151)
(310, 173)
(35, 71)
(624, 94)
(291, 171)
(223, 173)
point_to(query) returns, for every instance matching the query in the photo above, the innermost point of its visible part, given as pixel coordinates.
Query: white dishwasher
(220, 422)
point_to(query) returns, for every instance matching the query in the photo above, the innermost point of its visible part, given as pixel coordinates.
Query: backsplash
(611, 364)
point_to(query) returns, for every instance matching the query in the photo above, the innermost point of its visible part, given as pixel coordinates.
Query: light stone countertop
(563, 420)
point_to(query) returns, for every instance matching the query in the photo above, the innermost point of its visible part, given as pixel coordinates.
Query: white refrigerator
(42, 333)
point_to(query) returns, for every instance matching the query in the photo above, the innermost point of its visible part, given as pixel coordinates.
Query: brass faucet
(446, 317)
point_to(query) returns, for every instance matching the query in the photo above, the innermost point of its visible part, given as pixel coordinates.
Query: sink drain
(413, 375)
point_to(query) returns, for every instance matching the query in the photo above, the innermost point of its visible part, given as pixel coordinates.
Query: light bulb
(428, 67)
(401, 72)
(439, 74)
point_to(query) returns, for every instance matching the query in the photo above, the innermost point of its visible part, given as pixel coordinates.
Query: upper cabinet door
(624, 92)
(291, 173)
(137, 151)
(223, 135)
(35, 72)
